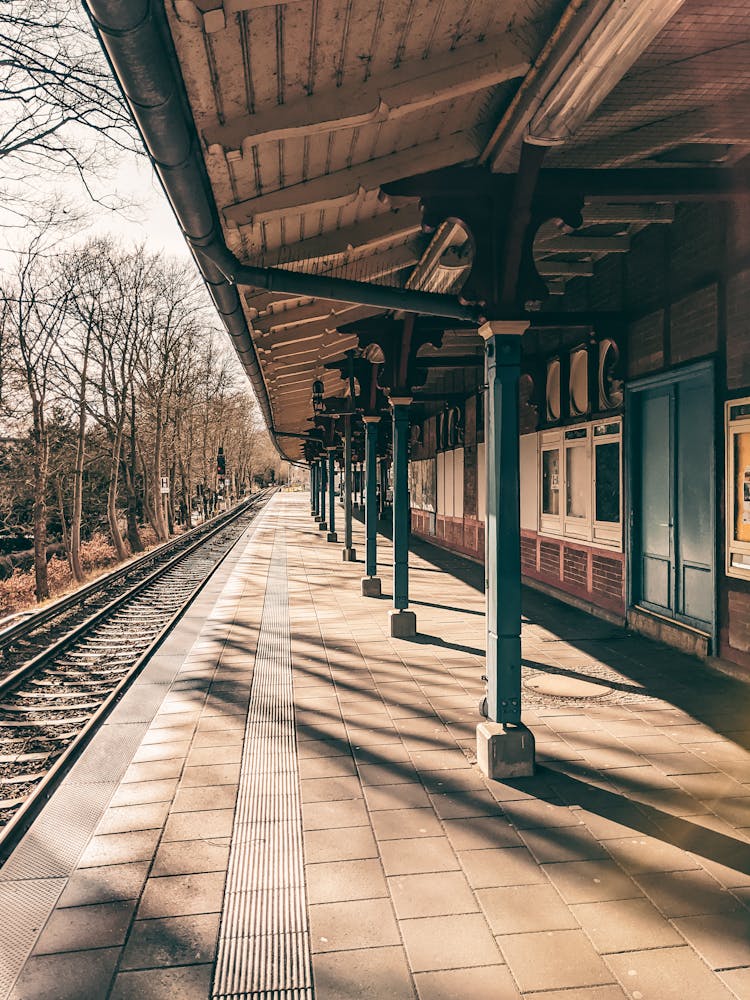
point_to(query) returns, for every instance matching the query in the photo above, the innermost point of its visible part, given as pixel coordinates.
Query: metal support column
(322, 478)
(349, 554)
(371, 582)
(505, 748)
(314, 496)
(403, 621)
(332, 536)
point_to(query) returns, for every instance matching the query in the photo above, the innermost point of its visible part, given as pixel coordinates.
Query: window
(737, 414)
(580, 478)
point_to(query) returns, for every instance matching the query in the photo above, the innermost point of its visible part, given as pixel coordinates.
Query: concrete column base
(370, 586)
(505, 752)
(322, 526)
(349, 555)
(403, 624)
(332, 536)
(317, 518)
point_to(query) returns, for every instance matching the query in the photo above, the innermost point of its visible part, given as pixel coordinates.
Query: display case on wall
(737, 429)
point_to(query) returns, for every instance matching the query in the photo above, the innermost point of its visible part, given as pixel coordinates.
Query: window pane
(608, 481)
(551, 481)
(578, 481)
(742, 487)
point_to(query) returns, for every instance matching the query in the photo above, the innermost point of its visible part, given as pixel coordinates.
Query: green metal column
(403, 622)
(502, 526)
(314, 489)
(332, 536)
(349, 554)
(322, 526)
(371, 583)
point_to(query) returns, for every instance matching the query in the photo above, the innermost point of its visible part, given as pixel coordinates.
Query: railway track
(51, 704)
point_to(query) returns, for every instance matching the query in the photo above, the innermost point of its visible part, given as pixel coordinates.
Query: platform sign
(165, 484)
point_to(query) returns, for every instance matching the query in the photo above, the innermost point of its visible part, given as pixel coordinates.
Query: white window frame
(606, 534)
(734, 547)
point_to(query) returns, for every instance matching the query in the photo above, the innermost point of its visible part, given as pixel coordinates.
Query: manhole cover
(566, 687)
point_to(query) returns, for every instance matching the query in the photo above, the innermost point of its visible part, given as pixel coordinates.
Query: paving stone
(330, 789)
(199, 825)
(191, 857)
(335, 881)
(464, 804)
(347, 844)
(165, 941)
(119, 848)
(202, 798)
(395, 773)
(536, 813)
(182, 895)
(230, 754)
(137, 792)
(492, 982)
(403, 824)
(345, 926)
(428, 896)
(722, 939)
(124, 819)
(625, 925)
(418, 855)
(403, 796)
(104, 885)
(454, 942)
(638, 855)
(591, 881)
(331, 815)
(161, 751)
(502, 866)
(519, 909)
(567, 843)
(587, 993)
(667, 973)
(79, 928)
(737, 980)
(689, 893)
(80, 975)
(154, 770)
(554, 960)
(477, 832)
(192, 982)
(211, 774)
(377, 973)
(326, 767)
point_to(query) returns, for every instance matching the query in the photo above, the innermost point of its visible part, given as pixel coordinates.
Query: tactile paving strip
(264, 941)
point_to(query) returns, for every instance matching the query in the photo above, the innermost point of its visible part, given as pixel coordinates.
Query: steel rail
(19, 823)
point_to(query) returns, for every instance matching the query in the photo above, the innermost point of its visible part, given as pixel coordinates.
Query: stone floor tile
(402, 796)
(345, 926)
(205, 797)
(431, 896)
(418, 855)
(79, 928)
(182, 895)
(137, 792)
(563, 843)
(161, 751)
(204, 824)
(387, 774)
(490, 982)
(347, 844)
(165, 941)
(336, 881)
(625, 925)
(191, 982)
(211, 774)
(737, 980)
(104, 885)
(519, 909)
(375, 973)
(119, 848)
(454, 942)
(80, 975)
(721, 939)
(503, 866)
(534, 814)
(667, 973)
(688, 893)
(591, 881)
(403, 824)
(170, 735)
(219, 738)
(191, 857)
(587, 993)
(478, 832)
(229, 754)
(554, 960)
(330, 789)
(326, 767)
(639, 855)
(331, 815)
(124, 819)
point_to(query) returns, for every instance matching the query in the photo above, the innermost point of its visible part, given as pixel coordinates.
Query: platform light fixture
(624, 31)
(318, 390)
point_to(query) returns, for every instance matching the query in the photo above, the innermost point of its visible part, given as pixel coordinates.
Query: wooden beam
(568, 269)
(673, 184)
(584, 244)
(343, 186)
(412, 87)
(308, 331)
(595, 214)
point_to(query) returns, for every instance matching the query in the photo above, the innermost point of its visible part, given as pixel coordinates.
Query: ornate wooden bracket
(399, 342)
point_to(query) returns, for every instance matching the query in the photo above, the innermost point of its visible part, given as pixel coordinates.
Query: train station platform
(286, 805)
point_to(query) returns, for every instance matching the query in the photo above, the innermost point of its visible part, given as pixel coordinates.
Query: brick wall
(739, 620)
(575, 567)
(738, 330)
(607, 576)
(694, 325)
(646, 344)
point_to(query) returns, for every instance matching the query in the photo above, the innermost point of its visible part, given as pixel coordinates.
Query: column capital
(371, 419)
(503, 328)
(400, 400)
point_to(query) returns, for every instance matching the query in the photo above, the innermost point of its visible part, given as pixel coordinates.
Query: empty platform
(286, 805)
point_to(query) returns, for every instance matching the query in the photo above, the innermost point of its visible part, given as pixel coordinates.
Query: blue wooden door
(672, 491)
